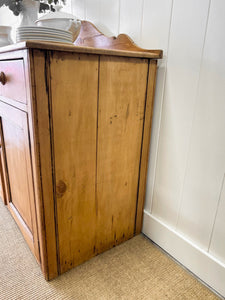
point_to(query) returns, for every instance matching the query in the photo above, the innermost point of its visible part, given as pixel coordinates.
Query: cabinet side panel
(44, 181)
(74, 82)
(146, 143)
(122, 94)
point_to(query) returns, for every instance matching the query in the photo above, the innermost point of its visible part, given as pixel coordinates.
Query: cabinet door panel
(16, 152)
(122, 95)
(15, 145)
(74, 110)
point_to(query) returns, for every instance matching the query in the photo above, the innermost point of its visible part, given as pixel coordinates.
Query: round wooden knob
(2, 78)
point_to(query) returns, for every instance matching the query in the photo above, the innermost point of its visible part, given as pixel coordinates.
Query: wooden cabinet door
(18, 169)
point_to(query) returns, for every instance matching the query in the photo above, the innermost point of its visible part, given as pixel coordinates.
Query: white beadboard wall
(185, 199)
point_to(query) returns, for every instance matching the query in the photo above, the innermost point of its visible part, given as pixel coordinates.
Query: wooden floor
(136, 269)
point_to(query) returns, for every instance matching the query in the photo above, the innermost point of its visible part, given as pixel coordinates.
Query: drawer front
(15, 86)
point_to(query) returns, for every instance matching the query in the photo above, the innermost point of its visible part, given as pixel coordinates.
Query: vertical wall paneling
(131, 18)
(217, 245)
(206, 163)
(155, 24)
(93, 11)
(104, 14)
(155, 34)
(109, 17)
(189, 19)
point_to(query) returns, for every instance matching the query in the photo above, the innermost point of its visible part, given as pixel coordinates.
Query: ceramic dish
(43, 40)
(32, 29)
(44, 35)
(58, 19)
(61, 21)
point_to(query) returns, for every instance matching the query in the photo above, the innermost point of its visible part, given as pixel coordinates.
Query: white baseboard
(198, 261)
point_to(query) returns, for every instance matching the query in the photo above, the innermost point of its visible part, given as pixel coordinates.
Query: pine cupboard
(75, 125)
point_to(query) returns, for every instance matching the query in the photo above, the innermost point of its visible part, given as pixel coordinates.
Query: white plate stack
(43, 34)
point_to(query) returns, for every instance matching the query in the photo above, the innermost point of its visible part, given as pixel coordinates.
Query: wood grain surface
(75, 150)
(54, 46)
(146, 144)
(44, 177)
(74, 80)
(90, 36)
(18, 170)
(122, 91)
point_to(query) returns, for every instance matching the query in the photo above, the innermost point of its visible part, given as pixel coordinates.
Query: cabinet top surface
(90, 40)
(78, 49)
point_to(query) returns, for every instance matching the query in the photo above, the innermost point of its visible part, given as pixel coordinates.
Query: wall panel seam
(192, 123)
(72, 6)
(142, 16)
(119, 16)
(216, 213)
(85, 10)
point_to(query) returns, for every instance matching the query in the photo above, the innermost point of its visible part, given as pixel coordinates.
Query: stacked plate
(43, 34)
